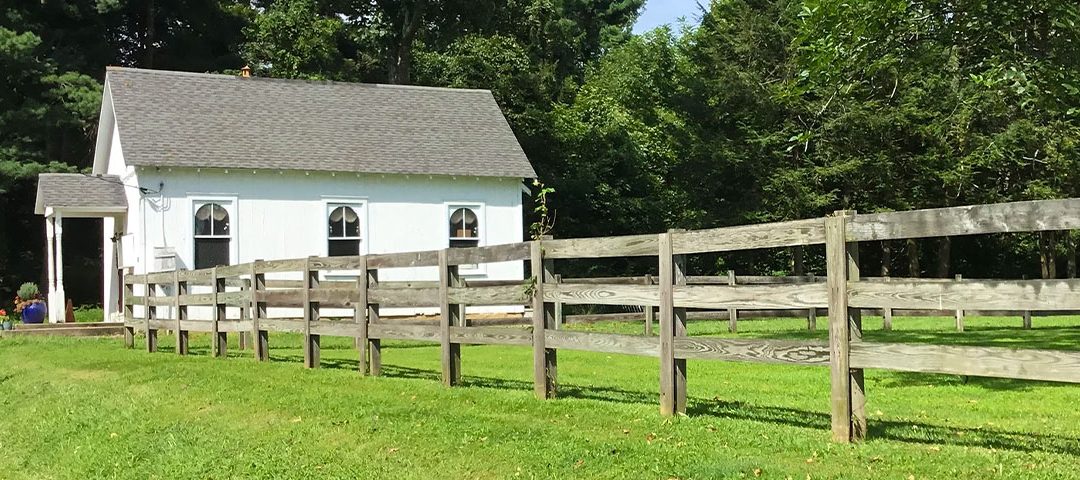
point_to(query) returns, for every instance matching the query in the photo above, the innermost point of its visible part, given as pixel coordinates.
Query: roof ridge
(149, 71)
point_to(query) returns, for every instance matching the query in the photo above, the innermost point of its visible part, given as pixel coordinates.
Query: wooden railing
(733, 315)
(844, 293)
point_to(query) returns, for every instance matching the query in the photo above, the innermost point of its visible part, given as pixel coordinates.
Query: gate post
(449, 317)
(848, 396)
(545, 360)
(672, 324)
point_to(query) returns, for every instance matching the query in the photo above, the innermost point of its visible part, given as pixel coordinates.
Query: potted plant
(5, 319)
(28, 303)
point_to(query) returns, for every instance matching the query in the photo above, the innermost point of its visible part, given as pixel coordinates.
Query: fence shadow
(892, 430)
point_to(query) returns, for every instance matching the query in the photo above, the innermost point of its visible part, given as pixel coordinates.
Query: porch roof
(80, 195)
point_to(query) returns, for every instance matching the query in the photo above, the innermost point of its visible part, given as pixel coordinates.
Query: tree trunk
(151, 33)
(1047, 260)
(944, 258)
(797, 260)
(1070, 252)
(400, 70)
(913, 258)
(886, 257)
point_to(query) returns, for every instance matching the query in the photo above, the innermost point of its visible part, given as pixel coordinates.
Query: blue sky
(659, 12)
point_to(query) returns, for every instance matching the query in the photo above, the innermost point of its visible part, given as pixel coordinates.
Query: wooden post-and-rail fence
(263, 289)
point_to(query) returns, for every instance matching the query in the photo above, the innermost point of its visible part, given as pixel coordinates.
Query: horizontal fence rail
(239, 299)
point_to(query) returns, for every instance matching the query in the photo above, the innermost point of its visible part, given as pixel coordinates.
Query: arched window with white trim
(212, 236)
(344, 231)
(464, 227)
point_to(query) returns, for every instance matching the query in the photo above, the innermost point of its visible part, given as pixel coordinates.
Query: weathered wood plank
(604, 342)
(450, 352)
(277, 266)
(193, 277)
(601, 294)
(491, 335)
(226, 271)
(312, 347)
(360, 317)
(197, 299)
(258, 312)
(666, 302)
(545, 359)
(855, 375)
(374, 344)
(180, 312)
(968, 295)
(218, 339)
(504, 295)
(404, 332)
(767, 351)
(1048, 365)
(352, 262)
(631, 280)
(601, 247)
(489, 254)
(747, 237)
(428, 258)
(335, 328)
(780, 296)
(234, 299)
(159, 278)
(234, 326)
(404, 297)
(1029, 216)
(839, 327)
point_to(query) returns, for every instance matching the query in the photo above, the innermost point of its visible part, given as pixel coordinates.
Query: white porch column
(50, 289)
(59, 301)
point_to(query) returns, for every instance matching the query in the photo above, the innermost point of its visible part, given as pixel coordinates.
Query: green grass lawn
(88, 408)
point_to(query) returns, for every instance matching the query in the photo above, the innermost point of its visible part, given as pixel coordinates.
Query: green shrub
(29, 290)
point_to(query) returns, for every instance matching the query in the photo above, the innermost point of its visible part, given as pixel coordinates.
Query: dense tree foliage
(754, 110)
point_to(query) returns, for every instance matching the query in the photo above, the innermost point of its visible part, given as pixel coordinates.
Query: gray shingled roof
(75, 190)
(179, 119)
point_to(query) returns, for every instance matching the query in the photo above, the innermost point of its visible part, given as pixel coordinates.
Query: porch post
(50, 289)
(59, 300)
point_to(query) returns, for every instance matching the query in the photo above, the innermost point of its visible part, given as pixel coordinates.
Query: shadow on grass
(893, 430)
(900, 431)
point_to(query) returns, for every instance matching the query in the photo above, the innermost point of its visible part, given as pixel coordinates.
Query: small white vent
(164, 259)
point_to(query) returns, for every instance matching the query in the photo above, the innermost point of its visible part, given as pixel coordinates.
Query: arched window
(344, 231)
(212, 236)
(464, 227)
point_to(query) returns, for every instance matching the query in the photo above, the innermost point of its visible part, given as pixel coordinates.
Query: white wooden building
(196, 170)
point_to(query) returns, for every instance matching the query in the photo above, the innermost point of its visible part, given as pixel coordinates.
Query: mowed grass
(88, 408)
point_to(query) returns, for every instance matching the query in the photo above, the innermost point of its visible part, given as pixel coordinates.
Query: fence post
(311, 314)
(259, 337)
(449, 317)
(242, 336)
(151, 314)
(672, 324)
(545, 360)
(360, 316)
(129, 311)
(845, 325)
(374, 344)
(811, 313)
(732, 314)
(560, 317)
(886, 314)
(1027, 314)
(219, 339)
(650, 311)
(180, 289)
(959, 312)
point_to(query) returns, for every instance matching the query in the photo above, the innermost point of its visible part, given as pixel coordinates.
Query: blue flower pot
(35, 313)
